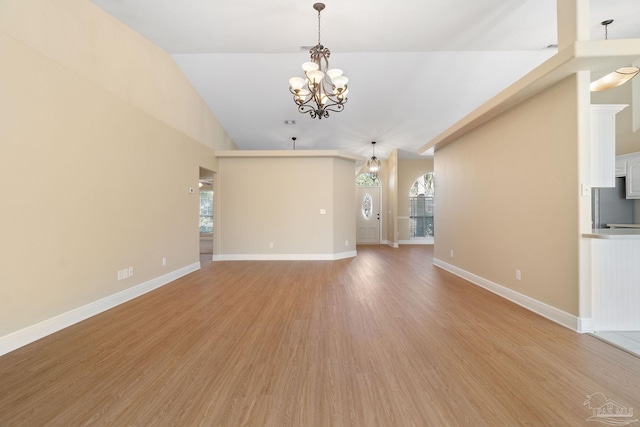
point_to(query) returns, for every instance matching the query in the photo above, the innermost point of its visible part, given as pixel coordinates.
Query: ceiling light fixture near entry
(616, 78)
(323, 89)
(373, 164)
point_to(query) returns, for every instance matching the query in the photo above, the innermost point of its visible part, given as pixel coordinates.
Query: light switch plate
(585, 190)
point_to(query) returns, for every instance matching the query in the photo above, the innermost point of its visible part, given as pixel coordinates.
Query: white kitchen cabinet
(633, 178)
(621, 167)
(628, 166)
(603, 144)
(615, 274)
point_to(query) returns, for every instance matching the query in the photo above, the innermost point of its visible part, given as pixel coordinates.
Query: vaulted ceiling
(415, 67)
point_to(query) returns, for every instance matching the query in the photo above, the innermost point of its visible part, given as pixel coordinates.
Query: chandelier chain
(319, 27)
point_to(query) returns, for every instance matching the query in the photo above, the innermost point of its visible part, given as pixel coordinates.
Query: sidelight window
(421, 198)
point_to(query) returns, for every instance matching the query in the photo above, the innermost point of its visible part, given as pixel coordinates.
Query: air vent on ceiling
(289, 122)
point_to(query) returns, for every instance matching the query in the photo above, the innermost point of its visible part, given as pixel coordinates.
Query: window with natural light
(206, 212)
(421, 198)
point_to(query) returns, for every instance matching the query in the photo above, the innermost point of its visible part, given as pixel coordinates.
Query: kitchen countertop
(613, 233)
(623, 225)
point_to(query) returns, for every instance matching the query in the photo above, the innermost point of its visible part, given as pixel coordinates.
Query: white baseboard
(285, 257)
(343, 255)
(425, 241)
(33, 333)
(585, 325)
(561, 317)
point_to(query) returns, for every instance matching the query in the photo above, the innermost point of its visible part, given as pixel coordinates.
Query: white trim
(216, 257)
(393, 245)
(585, 325)
(286, 257)
(425, 241)
(561, 317)
(33, 333)
(343, 255)
(289, 153)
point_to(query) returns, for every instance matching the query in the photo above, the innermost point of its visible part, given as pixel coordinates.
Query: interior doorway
(206, 218)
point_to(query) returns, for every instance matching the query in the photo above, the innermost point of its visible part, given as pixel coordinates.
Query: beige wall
(94, 175)
(344, 211)
(102, 50)
(408, 172)
(507, 199)
(392, 202)
(278, 200)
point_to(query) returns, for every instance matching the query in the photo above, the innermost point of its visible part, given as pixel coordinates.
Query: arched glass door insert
(368, 197)
(421, 198)
(367, 202)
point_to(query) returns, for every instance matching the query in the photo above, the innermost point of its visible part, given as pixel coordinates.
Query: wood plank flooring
(383, 339)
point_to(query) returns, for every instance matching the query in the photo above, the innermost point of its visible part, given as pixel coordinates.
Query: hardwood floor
(383, 339)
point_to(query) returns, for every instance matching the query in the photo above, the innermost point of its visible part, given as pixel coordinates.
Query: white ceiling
(415, 67)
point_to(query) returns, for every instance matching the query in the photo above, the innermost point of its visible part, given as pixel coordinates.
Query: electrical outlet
(346, 243)
(451, 253)
(164, 261)
(125, 273)
(271, 244)
(518, 275)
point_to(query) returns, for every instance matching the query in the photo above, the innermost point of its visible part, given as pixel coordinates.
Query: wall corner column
(573, 22)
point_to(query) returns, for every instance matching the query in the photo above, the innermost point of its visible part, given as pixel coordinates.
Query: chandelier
(373, 164)
(323, 89)
(617, 77)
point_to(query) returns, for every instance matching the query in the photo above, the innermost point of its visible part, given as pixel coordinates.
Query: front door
(368, 215)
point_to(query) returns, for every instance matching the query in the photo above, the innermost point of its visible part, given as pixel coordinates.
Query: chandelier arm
(334, 98)
(295, 99)
(303, 108)
(336, 108)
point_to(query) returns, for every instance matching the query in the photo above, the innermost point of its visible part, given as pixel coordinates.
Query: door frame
(377, 188)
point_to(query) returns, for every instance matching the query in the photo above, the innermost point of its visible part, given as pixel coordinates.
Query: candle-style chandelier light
(323, 89)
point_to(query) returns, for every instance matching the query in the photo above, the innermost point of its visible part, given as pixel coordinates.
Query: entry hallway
(383, 339)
